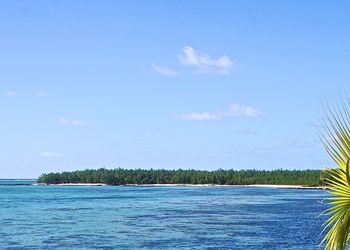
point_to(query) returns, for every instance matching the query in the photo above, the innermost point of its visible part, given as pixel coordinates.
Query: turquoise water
(126, 217)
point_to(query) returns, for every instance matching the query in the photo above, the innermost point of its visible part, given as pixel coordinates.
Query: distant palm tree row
(121, 176)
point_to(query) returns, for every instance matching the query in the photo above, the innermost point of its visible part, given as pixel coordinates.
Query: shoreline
(190, 185)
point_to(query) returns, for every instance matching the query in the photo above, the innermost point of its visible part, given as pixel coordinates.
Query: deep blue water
(126, 217)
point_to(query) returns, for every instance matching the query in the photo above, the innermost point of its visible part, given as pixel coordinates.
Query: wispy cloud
(41, 93)
(234, 110)
(262, 150)
(66, 121)
(300, 143)
(244, 151)
(317, 124)
(247, 132)
(242, 110)
(46, 153)
(193, 116)
(203, 63)
(149, 134)
(164, 71)
(11, 93)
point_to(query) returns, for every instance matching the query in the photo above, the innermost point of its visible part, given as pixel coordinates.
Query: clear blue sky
(167, 84)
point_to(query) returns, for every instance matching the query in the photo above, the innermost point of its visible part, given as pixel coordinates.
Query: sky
(168, 84)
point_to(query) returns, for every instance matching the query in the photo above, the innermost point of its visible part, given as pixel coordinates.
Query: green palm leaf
(336, 140)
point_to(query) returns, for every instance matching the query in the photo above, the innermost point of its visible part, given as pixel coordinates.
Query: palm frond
(336, 141)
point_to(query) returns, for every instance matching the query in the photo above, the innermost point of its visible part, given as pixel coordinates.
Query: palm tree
(336, 140)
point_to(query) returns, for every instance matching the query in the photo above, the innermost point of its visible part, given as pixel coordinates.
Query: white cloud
(205, 64)
(149, 134)
(247, 132)
(204, 116)
(299, 143)
(65, 121)
(45, 153)
(40, 93)
(262, 150)
(11, 93)
(234, 110)
(242, 110)
(164, 71)
(318, 124)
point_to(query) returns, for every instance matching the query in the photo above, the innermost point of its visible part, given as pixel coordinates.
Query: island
(120, 176)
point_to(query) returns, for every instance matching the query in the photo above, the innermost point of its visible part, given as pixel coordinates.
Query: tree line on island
(121, 176)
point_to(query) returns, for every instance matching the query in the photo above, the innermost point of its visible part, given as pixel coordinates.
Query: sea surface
(139, 217)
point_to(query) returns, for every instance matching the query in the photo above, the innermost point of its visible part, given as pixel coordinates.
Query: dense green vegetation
(229, 177)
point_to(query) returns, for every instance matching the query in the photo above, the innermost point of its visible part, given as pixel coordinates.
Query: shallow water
(131, 217)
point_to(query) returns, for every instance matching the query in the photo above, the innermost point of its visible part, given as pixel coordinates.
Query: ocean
(149, 217)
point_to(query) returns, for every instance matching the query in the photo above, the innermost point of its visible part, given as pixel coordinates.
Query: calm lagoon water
(126, 217)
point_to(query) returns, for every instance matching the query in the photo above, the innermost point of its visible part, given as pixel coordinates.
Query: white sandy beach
(282, 186)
